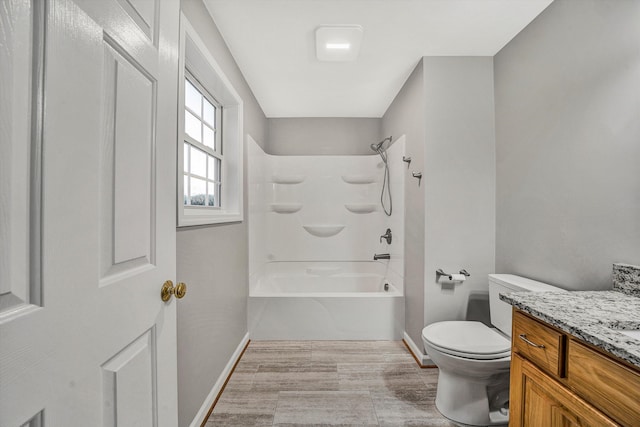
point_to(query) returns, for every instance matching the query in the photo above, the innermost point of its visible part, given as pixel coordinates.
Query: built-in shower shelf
(285, 208)
(288, 179)
(361, 208)
(323, 230)
(359, 179)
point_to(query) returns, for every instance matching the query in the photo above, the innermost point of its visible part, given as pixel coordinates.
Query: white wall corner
(423, 359)
(217, 387)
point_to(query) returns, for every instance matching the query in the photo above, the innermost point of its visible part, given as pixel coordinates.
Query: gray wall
(446, 110)
(567, 92)
(405, 116)
(311, 136)
(213, 261)
(458, 180)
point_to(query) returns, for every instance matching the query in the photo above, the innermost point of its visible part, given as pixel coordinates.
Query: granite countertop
(591, 316)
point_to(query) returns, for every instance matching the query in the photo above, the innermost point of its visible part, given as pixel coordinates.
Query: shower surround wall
(324, 213)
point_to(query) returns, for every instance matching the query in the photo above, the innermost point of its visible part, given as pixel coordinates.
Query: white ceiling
(273, 43)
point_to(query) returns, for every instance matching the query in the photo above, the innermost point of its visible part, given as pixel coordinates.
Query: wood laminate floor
(328, 383)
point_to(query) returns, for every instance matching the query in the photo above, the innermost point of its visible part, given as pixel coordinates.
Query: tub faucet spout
(381, 256)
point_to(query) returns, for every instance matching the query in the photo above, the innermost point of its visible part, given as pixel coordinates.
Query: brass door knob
(168, 290)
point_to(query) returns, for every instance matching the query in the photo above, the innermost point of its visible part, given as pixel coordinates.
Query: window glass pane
(185, 188)
(213, 195)
(198, 191)
(207, 137)
(185, 157)
(212, 199)
(214, 168)
(198, 162)
(192, 97)
(192, 126)
(209, 113)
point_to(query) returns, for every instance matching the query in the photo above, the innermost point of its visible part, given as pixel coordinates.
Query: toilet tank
(507, 283)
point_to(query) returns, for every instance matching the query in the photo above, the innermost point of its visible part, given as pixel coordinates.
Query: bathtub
(326, 301)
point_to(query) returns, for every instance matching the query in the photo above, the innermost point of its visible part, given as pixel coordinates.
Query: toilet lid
(467, 339)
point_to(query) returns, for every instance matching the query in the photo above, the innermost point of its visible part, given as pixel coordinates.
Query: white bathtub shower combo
(326, 301)
(315, 223)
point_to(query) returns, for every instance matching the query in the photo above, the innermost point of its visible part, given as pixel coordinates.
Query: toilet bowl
(474, 359)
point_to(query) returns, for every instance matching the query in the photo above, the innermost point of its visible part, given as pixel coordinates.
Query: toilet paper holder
(439, 273)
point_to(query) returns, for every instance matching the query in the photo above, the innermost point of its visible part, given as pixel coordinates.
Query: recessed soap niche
(285, 208)
(287, 179)
(361, 208)
(323, 230)
(359, 179)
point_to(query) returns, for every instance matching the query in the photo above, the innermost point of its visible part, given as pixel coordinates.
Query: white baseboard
(217, 387)
(423, 359)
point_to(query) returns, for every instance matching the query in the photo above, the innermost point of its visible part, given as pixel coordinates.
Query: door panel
(129, 386)
(144, 14)
(127, 162)
(21, 59)
(538, 405)
(88, 354)
(21, 92)
(135, 110)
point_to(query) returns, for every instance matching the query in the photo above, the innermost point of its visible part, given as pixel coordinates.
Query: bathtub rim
(392, 292)
(387, 274)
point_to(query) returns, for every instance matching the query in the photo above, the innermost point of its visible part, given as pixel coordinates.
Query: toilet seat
(471, 340)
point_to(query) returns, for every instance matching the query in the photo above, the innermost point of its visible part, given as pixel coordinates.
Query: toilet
(474, 359)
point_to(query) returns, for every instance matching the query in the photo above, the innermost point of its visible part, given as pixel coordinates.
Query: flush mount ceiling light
(338, 42)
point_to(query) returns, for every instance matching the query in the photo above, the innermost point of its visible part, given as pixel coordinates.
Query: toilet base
(474, 401)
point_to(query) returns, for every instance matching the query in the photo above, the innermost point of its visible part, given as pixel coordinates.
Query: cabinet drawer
(606, 384)
(540, 344)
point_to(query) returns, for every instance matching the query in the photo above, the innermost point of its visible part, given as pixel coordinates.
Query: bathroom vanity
(558, 379)
(575, 359)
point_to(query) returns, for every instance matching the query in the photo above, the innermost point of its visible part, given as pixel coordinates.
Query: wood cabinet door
(537, 400)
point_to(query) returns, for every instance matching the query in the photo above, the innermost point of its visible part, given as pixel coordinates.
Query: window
(202, 155)
(211, 141)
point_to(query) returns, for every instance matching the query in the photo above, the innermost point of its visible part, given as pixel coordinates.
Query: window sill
(192, 218)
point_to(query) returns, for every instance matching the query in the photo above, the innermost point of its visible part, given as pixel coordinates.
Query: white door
(88, 108)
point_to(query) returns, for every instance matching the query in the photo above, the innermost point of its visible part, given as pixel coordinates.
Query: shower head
(377, 147)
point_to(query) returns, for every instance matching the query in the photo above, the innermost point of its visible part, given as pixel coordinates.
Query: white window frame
(217, 151)
(196, 62)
